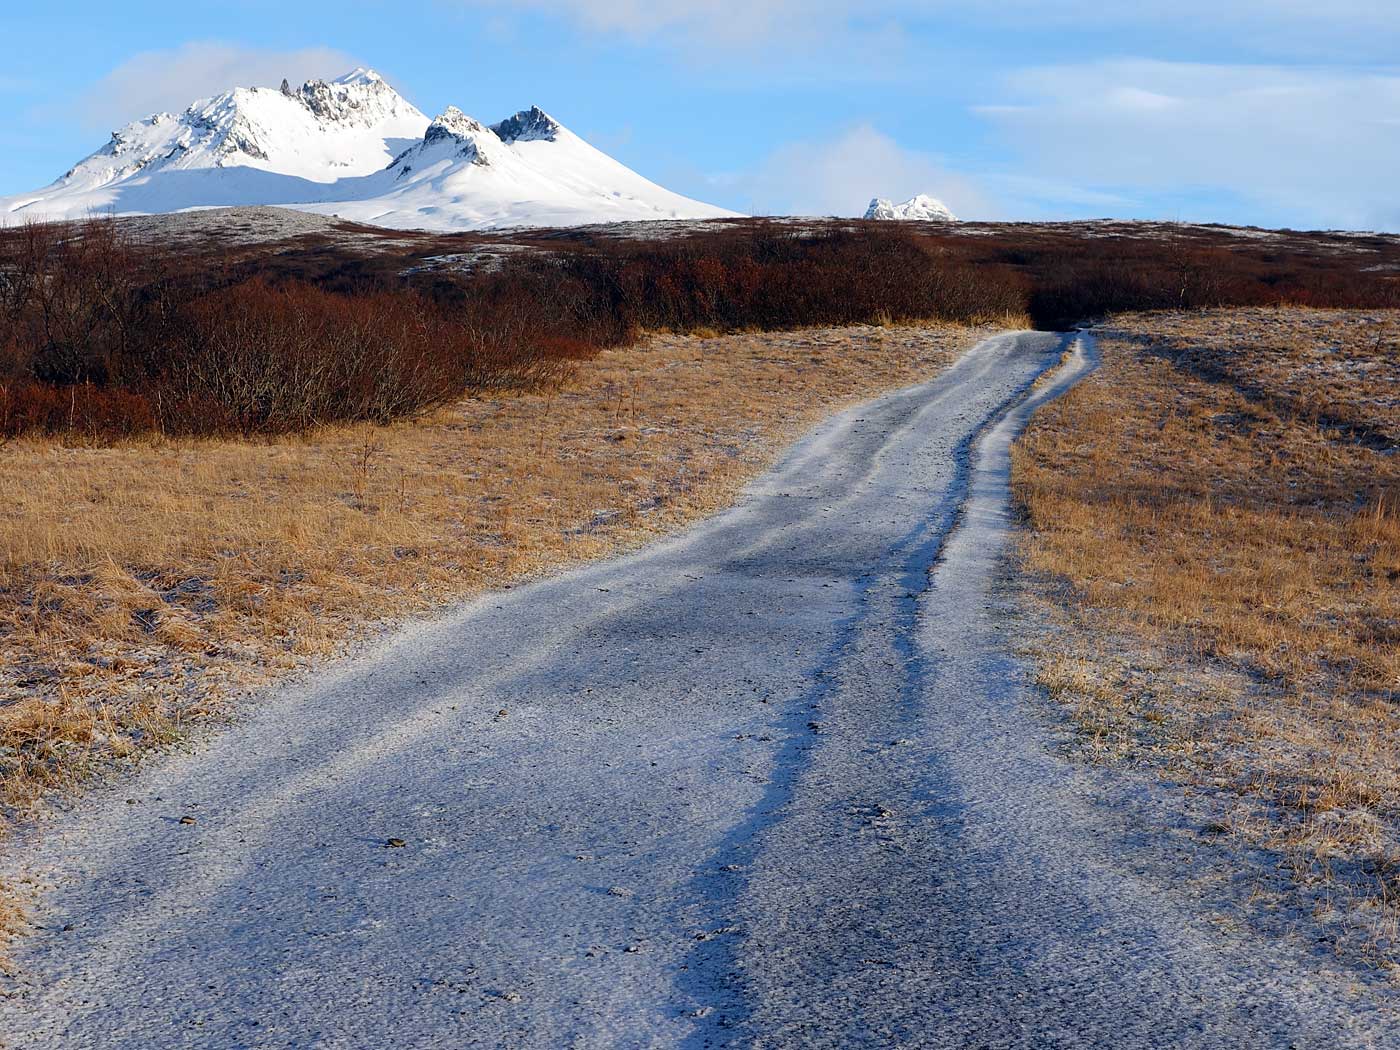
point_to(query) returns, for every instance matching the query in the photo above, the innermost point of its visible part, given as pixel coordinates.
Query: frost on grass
(1214, 535)
(148, 582)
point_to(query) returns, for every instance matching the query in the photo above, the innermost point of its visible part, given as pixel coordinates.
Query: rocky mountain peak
(529, 125)
(463, 132)
(453, 123)
(362, 97)
(920, 208)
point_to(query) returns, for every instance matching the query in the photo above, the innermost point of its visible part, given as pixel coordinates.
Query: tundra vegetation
(107, 335)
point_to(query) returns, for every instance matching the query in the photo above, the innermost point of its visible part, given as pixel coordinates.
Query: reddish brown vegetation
(768, 277)
(80, 408)
(105, 337)
(1116, 275)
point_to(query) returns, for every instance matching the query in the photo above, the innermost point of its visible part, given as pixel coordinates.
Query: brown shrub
(278, 359)
(769, 277)
(102, 340)
(312, 332)
(82, 409)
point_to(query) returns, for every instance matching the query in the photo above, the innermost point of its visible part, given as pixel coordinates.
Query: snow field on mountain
(922, 207)
(354, 147)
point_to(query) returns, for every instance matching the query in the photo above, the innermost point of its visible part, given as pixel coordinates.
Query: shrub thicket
(105, 337)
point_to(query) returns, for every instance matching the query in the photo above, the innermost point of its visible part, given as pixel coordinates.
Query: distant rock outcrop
(921, 208)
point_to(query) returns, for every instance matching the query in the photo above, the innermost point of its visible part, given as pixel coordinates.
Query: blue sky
(1273, 112)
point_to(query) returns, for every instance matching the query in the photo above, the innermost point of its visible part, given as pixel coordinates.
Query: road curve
(772, 783)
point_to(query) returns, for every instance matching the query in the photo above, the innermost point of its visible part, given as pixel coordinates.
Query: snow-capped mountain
(922, 207)
(526, 170)
(246, 146)
(354, 147)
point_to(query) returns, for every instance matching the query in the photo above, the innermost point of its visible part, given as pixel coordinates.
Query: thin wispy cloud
(689, 24)
(732, 20)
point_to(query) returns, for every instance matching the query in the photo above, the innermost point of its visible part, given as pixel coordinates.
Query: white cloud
(156, 81)
(840, 175)
(1316, 146)
(1266, 144)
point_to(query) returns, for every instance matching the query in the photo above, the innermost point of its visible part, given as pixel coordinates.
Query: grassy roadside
(145, 583)
(1213, 534)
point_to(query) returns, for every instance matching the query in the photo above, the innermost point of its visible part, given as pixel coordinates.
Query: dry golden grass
(1214, 529)
(144, 584)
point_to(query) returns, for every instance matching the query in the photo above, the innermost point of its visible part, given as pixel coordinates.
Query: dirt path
(771, 783)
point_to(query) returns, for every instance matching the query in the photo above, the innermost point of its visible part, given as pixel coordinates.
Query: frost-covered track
(772, 783)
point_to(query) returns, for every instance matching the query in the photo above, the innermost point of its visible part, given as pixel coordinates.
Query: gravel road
(773, 783)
